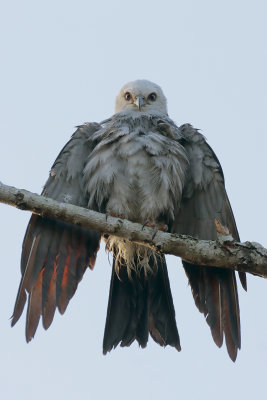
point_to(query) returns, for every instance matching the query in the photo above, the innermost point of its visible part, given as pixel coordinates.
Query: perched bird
(140, 165)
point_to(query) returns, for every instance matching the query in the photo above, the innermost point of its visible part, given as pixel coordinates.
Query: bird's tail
(140, 302)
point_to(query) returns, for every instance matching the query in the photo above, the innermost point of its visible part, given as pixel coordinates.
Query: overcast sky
(62, 63)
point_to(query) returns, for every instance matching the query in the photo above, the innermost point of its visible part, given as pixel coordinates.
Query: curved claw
(145, 224)
(154, 233)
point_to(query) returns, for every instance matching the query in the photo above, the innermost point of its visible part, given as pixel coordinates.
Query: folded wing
(55, 254)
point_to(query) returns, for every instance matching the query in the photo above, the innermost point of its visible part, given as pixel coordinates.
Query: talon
(149, 223)
(145, 224)
(154, 233)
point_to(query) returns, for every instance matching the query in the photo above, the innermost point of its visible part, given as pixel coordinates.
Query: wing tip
(243, 280)
(233, 354)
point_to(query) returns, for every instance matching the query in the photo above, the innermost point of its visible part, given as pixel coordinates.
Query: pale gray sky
(62, 63)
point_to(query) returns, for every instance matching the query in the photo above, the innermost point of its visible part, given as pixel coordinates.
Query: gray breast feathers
(137, 168)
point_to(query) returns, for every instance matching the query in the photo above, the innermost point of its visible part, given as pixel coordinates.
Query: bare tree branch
(224, 253)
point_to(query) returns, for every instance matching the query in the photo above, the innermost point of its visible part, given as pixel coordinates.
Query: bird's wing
(204, 200)
(55, 254)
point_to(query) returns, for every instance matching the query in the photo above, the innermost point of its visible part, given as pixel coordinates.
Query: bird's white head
(141, 95)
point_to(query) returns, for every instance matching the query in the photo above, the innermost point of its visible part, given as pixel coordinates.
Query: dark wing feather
(55, 254)
(204, 200)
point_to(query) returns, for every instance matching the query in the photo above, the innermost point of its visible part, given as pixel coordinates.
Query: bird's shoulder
(128, 121)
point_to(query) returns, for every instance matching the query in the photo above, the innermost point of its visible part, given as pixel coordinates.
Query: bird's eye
(127, 96)
(152, 97)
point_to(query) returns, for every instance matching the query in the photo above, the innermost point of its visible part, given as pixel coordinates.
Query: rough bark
(225, 252)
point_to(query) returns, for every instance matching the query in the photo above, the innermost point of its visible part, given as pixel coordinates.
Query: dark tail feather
(162, 324)
(139, 305)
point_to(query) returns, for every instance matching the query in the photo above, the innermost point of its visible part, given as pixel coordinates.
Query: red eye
(152, 97)
(127, 96)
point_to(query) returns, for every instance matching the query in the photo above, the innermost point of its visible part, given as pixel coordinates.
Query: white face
(141, 95)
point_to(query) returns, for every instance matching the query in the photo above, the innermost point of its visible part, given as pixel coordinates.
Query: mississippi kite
(138, 164)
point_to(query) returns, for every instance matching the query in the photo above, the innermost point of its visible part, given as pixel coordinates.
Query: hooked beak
(139, 101)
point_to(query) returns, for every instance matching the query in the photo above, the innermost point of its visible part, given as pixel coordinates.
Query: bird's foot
(157, 227)
(112, 214)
